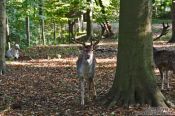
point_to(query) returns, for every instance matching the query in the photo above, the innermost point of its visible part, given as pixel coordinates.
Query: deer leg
(89, 87)
(82, 90)
(94, 89)
(92, 86)
(163, 79)
(168, 78)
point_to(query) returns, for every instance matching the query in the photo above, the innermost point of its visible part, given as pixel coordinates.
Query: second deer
(164, 60)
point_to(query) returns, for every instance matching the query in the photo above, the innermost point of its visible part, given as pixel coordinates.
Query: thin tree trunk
(8, 34)
(135, 81)
(81, 22)
(2, 35)
(42, 21)
(28, 30)
(42, 32)
(89, 20)
(107, 26)
(7, 30)
(172, 40)
(71, 28)
(54, 32)
(79, 25)
(61, 31)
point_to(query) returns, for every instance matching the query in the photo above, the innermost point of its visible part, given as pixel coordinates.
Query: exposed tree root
(126, 101)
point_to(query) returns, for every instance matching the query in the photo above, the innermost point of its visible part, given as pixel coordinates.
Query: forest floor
(47, 84)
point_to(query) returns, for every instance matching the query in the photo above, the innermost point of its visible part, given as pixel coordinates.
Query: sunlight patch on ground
(163, 44)
(106, 60)
(66, 62)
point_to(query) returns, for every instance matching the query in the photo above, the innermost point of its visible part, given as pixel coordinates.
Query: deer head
(87, 51)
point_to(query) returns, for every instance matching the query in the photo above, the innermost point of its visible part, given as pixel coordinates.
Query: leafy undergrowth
(49, 87)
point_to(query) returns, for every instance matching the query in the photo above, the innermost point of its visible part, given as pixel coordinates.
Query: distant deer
(86, 69)
(13, 52)
(164, 59)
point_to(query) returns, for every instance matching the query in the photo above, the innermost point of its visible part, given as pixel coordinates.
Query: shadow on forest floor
(46, 87)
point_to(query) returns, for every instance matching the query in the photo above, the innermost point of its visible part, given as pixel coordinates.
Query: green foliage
(162, 9)
(54, 11)
(111, 11)
(59, 12)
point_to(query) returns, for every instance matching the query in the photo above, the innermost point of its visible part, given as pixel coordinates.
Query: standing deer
(164, 59)
(86, 69)
(165, 62)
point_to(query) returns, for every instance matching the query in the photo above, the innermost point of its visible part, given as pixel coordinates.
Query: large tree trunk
(28, 30)
(135, 81)
(172, 40)
(2, 35)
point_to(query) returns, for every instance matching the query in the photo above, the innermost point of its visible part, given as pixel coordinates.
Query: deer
(13, 52)
(86, 64)
(164, 60)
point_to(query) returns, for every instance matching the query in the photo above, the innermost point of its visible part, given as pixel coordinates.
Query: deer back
(165, 59)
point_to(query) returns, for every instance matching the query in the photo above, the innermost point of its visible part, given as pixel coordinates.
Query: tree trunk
(42, 21)
(172, 40)
(79, 25)
(89, 20)
(7, 30)
(54, 32)
(8, 42)
(2, 35)
(135, 81)
(28, 30)
(81, 22)
(71, 28)
(42, 32)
